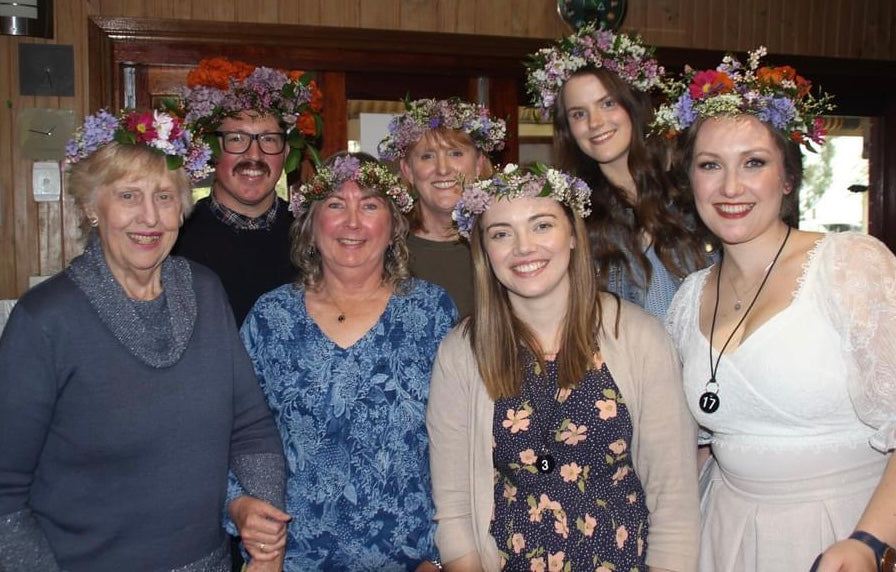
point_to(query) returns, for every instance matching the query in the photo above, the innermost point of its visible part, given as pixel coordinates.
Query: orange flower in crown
(306, 124)
(777, 76)
(218, 72)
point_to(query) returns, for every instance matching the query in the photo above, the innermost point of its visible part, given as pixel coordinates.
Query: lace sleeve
(684, 304)
(680, 314)
(860, 273)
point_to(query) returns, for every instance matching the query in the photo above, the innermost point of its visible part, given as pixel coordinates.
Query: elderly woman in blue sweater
(125, 393)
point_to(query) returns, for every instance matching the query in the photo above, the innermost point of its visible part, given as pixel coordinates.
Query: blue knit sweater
(107, 463)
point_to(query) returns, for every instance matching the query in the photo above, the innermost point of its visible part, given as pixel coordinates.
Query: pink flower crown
(488, 133)
(626, 56)
(775, 95)
(158, 130)
(368, 175)
(221, 88)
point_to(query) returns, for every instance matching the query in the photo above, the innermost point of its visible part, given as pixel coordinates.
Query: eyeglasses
(237, 142)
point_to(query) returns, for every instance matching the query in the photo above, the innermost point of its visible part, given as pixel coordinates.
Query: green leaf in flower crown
(292, 160)
(125, 137)
(315, 156)
(213, 143)
(174, 162)
(296, 139)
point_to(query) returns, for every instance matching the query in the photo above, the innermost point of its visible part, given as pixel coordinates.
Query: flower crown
(488, 133)
(367, 175)
(515, 182)
(221, 88)
(549, 68)
(157, 130)
(775, 95)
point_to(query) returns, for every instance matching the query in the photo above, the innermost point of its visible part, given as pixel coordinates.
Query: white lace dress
(808, 410)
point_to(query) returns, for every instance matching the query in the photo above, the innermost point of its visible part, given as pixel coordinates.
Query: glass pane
(834, 195)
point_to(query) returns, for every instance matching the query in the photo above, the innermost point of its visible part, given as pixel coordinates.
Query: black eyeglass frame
(251, 137)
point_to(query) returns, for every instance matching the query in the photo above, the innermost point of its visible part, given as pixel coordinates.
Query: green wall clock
(606, 13)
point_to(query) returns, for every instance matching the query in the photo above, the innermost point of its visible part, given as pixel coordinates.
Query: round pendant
(709, 402)
(544, 463)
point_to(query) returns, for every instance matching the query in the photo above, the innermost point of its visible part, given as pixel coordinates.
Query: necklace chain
(739, 300)
(342, 313)
(709, 401)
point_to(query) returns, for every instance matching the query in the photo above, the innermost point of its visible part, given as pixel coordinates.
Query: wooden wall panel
(423, 15)
(836, 28)
(41, 239)
(8, 251)
(382, 14)
(260, 11)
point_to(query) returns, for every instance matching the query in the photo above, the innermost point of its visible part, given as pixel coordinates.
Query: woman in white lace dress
(788, 342)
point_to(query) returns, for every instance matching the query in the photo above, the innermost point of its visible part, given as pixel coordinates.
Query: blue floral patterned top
(352, 423)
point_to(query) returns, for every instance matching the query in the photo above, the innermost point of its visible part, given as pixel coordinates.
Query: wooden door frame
(387, 64)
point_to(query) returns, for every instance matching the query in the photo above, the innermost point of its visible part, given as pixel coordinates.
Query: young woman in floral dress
(559, 438)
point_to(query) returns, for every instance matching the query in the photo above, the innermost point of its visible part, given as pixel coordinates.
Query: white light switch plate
(46, 181)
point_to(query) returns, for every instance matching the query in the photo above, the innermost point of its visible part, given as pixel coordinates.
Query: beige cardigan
(648, 373)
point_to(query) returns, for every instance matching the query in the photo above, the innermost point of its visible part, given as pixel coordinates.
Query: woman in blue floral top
(344, 359)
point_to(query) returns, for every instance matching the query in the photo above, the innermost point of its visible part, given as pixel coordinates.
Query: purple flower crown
(488, 133)
(775, 95)
(515, 182)
(367, 175)
(160, 131)
(624, 55)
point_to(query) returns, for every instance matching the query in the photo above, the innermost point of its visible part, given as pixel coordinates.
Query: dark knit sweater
(248, 262)
(110, 463)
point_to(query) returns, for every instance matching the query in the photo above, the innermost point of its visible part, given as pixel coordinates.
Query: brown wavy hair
(661, 209)
(498, 337)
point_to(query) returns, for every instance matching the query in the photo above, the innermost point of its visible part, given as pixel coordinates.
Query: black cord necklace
(709, 401)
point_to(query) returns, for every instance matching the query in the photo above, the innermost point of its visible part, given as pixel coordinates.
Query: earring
(93, 221)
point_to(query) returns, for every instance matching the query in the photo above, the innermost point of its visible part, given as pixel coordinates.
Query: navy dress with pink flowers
(588, 512)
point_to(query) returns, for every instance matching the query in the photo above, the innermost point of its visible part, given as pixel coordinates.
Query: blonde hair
(497, 334)
(114, 162)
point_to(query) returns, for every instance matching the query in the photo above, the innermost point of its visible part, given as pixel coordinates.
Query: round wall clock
(606, 13)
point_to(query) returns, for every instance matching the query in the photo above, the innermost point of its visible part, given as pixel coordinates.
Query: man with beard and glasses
(259, 121)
